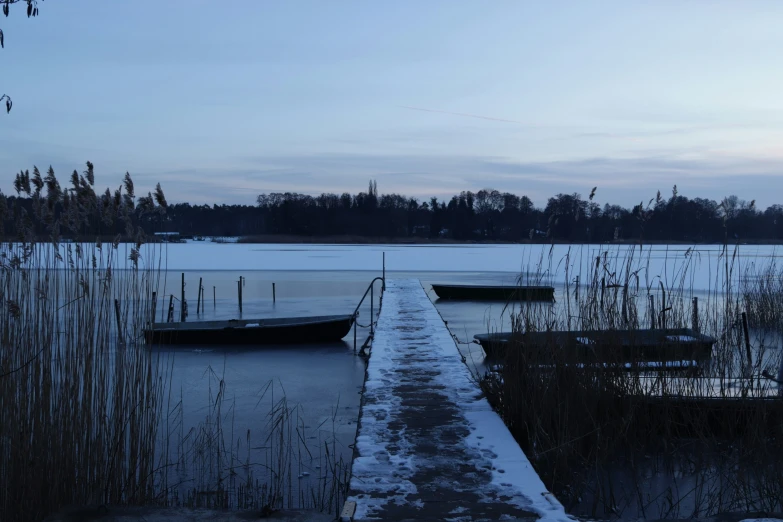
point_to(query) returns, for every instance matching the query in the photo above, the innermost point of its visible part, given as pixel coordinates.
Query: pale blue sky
(220, 101)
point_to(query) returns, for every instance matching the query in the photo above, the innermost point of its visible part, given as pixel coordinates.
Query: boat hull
(494, 293)
(306, 330)
(611, 346)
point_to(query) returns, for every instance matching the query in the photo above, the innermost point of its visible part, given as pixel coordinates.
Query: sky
(222, 101)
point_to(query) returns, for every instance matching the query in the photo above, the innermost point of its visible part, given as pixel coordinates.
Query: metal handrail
(370, 290)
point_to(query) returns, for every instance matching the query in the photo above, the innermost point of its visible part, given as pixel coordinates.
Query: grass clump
(614, 438)
(286, 465)
(78, 397)
(87, 415)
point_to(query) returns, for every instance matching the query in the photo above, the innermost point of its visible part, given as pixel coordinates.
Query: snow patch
(386, 463)
(680, 338)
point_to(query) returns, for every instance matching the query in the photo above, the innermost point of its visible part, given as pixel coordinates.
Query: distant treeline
(484, 215)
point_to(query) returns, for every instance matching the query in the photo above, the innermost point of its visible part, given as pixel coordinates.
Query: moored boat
(494, 293)
(290, 330)
(606, 346)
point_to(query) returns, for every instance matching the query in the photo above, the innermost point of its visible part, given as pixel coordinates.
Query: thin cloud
(490, 118)
(639, 136)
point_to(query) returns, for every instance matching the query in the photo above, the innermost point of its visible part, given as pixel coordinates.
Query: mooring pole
(576, 290)
(652, 312)
(747, 340)
(214, 298)
(198, 300)
(119, 324)
(663, 306)
(695, 315)
(171, 308)
(372, 314)
(274, 298)
(625, 305)
(154, 305)
(182, 301)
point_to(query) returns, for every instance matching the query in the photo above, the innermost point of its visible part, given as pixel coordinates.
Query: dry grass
(86, 413)
(213, 466)
(78, 408)
(578, 423)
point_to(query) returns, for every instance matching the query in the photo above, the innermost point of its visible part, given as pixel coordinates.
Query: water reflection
(695, 480)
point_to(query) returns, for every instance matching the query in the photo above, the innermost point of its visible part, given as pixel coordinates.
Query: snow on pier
(429, 446)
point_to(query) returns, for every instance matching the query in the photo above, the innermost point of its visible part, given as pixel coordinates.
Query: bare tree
(32, 10)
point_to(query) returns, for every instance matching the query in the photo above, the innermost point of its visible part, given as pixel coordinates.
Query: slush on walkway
(429, 446)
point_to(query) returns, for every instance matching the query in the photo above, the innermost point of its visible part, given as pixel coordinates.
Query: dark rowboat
(494, 293)
(292, 330)
(605, 346)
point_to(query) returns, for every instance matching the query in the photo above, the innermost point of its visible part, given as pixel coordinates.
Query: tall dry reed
(577, 420)
(79, 394)
(87, 415)
(285, 465)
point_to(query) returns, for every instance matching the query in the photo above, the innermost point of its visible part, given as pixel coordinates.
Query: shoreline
(364, 240)
(419, 241)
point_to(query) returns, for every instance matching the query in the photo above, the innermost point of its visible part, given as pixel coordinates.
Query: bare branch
(8, 102)
(32, 10)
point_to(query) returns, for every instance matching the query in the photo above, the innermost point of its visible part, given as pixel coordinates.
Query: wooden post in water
(747, 341)
(652, 312)
(119, 323)
(695, 315)
(171, 308)
(625, 305)
(154, 305)
(198, 299)
(274, 298)
(239, 293)
(663, 306)
(182, 301)
(576, 290)
(384, 273)
(214, 298)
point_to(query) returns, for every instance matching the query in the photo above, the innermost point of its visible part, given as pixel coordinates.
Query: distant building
(168, 237)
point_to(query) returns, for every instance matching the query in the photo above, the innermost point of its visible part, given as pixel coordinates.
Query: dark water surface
(324, 381)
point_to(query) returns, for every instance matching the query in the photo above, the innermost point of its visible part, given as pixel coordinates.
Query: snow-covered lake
(665, 262)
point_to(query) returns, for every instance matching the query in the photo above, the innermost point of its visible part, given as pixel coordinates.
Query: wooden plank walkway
(429, 446)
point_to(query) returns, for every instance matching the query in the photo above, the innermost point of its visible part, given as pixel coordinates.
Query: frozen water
(666, 263)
